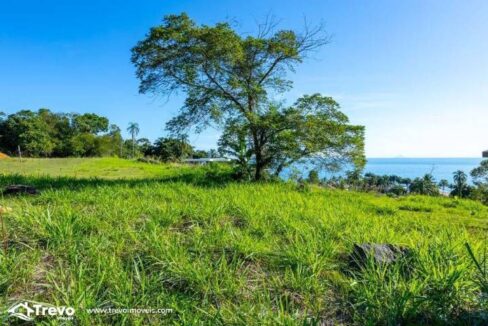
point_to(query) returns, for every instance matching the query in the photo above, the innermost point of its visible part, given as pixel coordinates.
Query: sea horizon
(413, 167)
(407, 167)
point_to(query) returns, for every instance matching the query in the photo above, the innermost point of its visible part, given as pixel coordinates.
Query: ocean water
(440, 168)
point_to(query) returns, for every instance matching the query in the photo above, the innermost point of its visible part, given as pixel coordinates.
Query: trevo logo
(28, 311)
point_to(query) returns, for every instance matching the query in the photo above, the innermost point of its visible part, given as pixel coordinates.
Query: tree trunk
(258, 156)
(259, 165)
(258, 173)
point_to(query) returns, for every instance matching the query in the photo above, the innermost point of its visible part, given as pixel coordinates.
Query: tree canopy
(424, 186)
(461, 188)
(480, 173)
(230, 80)
(44, 133)
(170, 149)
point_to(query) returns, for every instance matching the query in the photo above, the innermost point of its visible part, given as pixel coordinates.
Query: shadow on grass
(207, 179)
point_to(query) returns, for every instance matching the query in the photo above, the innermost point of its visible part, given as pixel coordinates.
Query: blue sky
(415, 73)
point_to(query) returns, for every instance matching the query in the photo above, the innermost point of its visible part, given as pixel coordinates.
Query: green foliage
(229, 79)
(425, 289)
(481, 266)
(90, 123)
(394, 185)
(461, 188)
(44, 133)
(480, 174)
(480, 179)
(89, 168)
(397, 190)
(386, 184)
(199, 154)
(29, 130)
(143, 145)
(480, 192)
(424, 186)
(170, 149)
(235, 143)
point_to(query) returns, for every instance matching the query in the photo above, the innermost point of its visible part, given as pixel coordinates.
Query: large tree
(230, 79)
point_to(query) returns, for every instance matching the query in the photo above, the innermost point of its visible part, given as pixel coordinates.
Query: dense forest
(43, 133)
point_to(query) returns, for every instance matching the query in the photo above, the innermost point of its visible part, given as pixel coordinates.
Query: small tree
(460, 187)
(443, 184)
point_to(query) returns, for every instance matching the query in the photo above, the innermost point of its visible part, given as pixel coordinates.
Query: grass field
(106, 168)
(221, 252)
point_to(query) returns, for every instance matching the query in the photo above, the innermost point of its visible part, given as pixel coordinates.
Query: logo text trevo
(28, 311)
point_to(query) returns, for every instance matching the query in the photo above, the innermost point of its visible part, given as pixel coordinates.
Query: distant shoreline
(409, 167)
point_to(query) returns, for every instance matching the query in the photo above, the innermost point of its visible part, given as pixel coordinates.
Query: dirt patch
(3, 155)
(39, 277)
(38, 285)
(185, 225)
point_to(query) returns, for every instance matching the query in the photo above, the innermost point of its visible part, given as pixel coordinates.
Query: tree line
(394, 185)
(43, 133)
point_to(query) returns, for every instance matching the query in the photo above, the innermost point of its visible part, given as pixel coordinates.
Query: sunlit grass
(222, 252)
(107, 168)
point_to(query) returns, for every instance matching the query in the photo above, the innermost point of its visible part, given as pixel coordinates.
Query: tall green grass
(221, 252)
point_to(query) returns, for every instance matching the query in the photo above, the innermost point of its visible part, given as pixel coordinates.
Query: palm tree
(424, 186)
(443, 184)
(460, 182)
(133, 129)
